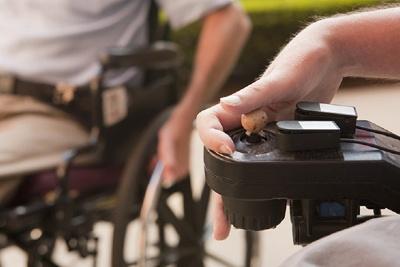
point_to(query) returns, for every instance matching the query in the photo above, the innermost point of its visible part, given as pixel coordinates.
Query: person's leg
(33, 136)
(374, 243)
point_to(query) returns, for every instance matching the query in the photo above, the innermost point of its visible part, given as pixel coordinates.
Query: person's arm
(223, 34)
(310, 67)
(368, 44)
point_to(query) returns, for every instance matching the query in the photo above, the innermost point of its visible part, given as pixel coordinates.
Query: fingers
(221, 225)
(254, 96)
(272, 93)
(211, 124)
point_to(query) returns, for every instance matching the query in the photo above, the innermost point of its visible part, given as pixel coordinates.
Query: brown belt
(75, 100)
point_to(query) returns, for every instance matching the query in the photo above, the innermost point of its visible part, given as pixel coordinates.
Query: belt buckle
(64, 93)
(7, 83)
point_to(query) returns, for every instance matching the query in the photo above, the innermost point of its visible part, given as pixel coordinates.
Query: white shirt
(60, 40)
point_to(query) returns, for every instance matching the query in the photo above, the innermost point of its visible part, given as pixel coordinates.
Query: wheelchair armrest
(71, 155)
(160, 55)
(69, 158)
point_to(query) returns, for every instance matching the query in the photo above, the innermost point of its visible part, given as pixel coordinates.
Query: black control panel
(323, 172)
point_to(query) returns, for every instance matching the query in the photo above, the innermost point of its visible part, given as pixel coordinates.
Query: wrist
(330, 32)
(189, 105)
(184, 114)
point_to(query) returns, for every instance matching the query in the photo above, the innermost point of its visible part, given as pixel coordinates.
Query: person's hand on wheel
(174, 144)
(306, 69)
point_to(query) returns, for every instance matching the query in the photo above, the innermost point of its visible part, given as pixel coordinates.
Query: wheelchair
(107, 179)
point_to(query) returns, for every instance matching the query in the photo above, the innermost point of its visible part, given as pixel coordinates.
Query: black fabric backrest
(153, 20)
(157, 31)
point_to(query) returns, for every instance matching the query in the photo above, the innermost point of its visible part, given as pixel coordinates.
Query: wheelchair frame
(191, 225)
(24, 225)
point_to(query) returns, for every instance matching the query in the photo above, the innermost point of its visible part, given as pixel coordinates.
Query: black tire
(132, 186)
(134, 181)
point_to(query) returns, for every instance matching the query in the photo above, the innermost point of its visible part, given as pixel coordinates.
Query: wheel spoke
(184, 229)
(252, 248)
(202, 205)
(189, 206)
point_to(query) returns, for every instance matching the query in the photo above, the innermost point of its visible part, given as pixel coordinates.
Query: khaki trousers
(33, 137)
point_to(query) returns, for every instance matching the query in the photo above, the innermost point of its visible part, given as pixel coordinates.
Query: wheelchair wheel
(178, 238)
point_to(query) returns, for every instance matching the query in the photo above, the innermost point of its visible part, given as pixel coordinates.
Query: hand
(221, 227)
(174, 144)
(306, 69)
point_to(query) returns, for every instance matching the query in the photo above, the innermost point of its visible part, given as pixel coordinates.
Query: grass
(279, 5)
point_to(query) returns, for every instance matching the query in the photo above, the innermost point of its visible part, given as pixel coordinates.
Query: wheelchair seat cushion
(82, 180)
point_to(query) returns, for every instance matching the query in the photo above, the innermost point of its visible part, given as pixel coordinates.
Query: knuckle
(203, 115)
(199, 118)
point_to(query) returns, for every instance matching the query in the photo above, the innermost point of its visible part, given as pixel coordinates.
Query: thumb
(261, 93)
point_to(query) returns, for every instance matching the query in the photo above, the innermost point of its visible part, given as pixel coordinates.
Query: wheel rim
(191, 228)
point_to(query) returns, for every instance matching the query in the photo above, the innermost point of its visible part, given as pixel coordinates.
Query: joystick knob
(253, 122)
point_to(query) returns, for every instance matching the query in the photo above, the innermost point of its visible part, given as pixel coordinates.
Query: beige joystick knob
(253, 122)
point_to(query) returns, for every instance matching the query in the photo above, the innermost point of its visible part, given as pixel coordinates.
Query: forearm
(367, 43)
(222, 37)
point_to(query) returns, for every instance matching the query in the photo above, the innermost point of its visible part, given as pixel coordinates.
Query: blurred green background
(274, 23)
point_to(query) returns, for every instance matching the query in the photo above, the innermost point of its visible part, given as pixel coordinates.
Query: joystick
(325, 165)
(253, 122)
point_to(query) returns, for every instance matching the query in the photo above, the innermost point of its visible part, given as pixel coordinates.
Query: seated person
(45, 43)
(311, 67)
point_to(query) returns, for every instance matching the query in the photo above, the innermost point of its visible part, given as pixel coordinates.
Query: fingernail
(232, 100)
(225, 149)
